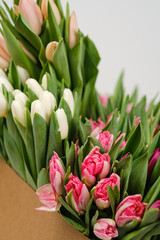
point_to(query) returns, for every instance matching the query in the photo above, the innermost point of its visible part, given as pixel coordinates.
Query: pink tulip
(73, 30)
(96, 127)
(95, 166)
(156, 205)
(100, 194)
(129, 107)
(57, 173)
(125, 156)
(32, 13)
(104, 100)
(109, 118)
(44, 9)
(106, 140)
(105, 229)
(152, 162)
(78, 195)
(137, 120)
(77, 148)
(4, 55)
(123, 143)
(129, 209)
(49, 198)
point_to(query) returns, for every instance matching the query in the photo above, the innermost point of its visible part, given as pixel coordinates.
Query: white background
(127, 35)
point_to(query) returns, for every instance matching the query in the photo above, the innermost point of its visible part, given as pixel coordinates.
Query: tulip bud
(44, 9)
(32, 13)
(96, 127)
(20, 96)
(156, 205)
(152, 162)
(23, 74)
(37, 107)
(3, 105)
(49, 103)
(49, 198)
(63, 123)
(2, 74)
(78, 195)
(104, 99)
(4, 55)
(73, 31)
(50, 49)
(68, 96)
(6, 83)
(44, 81)
(19, 112)
(105, 229)
(34, 86)
(106, 139)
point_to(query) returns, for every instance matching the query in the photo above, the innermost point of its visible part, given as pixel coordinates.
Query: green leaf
(144, 121)
(138, 177)
(29, 178)
(54, 141)
(40, 141)
(87, 216)
(94, 218)
(96, 142)
(127, 228)
(114, 197)
(52, 85)
(134, 96)
(13, 76)
(67, 24)
(43, 178)
(92, 50)
(65, 181)
(153, 192)
(149, 217)
(115, 149)
(119, 93)
(60, 63)
(84, 130)
(113, 126)
(155, 232)
(123, 112)
(70, 157)
(155, 173)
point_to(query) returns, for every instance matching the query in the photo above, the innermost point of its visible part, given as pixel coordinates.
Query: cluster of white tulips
(44, 105)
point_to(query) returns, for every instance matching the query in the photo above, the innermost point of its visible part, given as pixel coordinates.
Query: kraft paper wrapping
(18, 218)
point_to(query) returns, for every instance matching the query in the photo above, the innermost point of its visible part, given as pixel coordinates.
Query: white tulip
(34, 86)
(49, 103)
(44, 81)
(19, 112)
(63, 123)
(3, 105)
(20, 96)
(68, 96)
(6, 83)
(3, 74)
(37, 107)
(23, 74)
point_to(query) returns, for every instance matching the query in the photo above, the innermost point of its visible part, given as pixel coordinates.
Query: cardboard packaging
(18, 218)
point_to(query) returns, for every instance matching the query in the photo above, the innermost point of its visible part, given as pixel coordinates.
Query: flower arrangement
(94, 159)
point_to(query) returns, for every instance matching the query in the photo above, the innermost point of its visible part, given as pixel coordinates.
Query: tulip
(123, 142)
(104, 99)
(32, 13)
(77, 148)
(131, 208)
(57, 173)
(44, 81)
(6, 83)
(23, 74)
(156, 205)
(49, 198)
(105, 229)
(44, 9)
(96, 127)
(68, 96)
(37, 107)
(100, 194)
(20, 96)
(95, 166)
(19, 112)
(50, 49)
(78, 195)
(4, 55)
(34, 86)
(28, 53)
(49, 103)
(3, 74)
(106, 140)
(137, 120)
(63, 124)
(73, 31)
(3, 106)
(129, 107)
(152, 162)
(109, 118)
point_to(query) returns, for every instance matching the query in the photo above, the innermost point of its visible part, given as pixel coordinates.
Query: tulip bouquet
(94, 159)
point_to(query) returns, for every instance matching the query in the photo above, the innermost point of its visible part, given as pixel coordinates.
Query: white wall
(127, 35)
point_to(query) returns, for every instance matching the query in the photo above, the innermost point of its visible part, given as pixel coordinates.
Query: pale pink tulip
(73, 31)
(78, 195)
(32, 13)
(4, 55)
(49, 198)
(105, 229)
(131, 208)
(95, 166)
(104, 99)
(100, 194)
(50, 49)
(96, 127)
(57, 173)
(129, 107)
(44, 9)
(106, 140)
